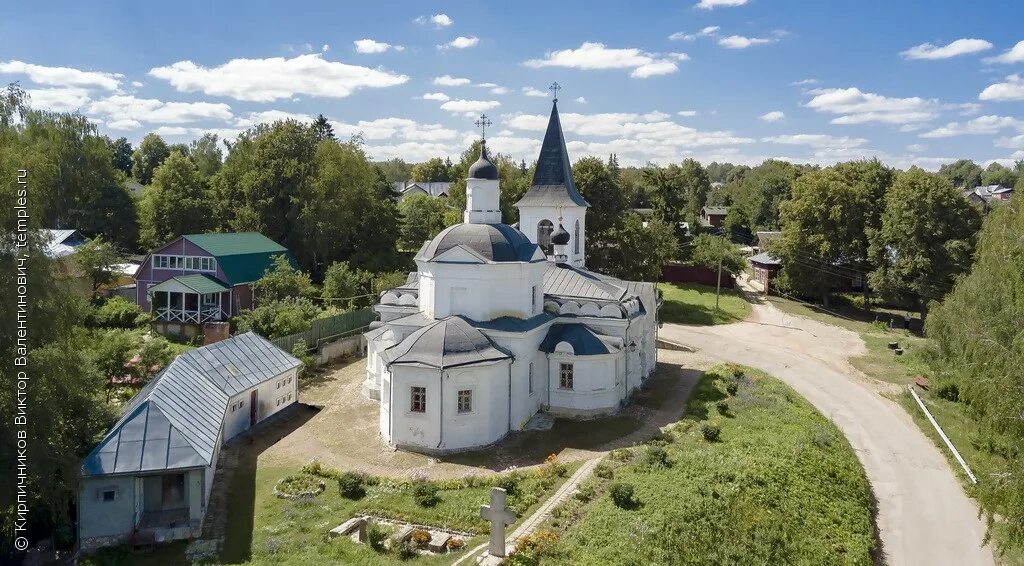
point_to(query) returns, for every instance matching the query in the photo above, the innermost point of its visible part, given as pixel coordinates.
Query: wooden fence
(327, 328)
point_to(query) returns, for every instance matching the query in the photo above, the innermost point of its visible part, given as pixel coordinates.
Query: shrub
(376, 534)
(425, 494)
(456, 543)
(420, 537)
(732, 388)
(621, 455)
(298, 486)
(301, 351)
(118, 312)
(586, 491)
(405, 550)
(723, 407)
(622, 494)
(604, 471)
(710, 432)
(948, 391)
(351, 485)
(553, 468)
(532, 548)
(509, 482)
(656, 457)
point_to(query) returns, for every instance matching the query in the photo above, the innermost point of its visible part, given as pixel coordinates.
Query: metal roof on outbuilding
(175, 421)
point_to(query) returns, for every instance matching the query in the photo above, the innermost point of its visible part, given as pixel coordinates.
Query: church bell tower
(482, 191)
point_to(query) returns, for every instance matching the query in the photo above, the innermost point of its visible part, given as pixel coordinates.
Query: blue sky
(729, 80)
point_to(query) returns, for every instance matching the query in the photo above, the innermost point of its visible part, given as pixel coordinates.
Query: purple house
(200, 278)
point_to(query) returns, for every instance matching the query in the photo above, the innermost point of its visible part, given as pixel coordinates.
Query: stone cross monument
(499, 515)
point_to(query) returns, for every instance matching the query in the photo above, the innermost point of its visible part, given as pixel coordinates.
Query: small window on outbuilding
(418, 400)
(565, 376)
(108, 495)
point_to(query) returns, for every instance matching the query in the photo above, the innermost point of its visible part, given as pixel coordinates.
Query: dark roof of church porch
(552, 181)
(449, 342)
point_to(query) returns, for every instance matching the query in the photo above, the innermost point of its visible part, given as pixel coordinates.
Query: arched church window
(544, 230)
(576, 238)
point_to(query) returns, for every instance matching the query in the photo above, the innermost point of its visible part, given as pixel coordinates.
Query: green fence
(331, 327)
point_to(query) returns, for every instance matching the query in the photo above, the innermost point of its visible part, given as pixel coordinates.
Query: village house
(713, 216)
(149, 479)
(438, 189)
(200, 278)
(987, 195)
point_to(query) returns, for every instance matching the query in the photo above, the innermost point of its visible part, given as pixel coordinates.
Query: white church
(497, 324)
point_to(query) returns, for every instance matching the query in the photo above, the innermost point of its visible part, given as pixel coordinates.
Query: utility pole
(718, 286)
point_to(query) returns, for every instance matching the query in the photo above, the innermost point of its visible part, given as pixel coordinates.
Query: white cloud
(712, 4)
(740, 42)
(805, 82)
(591, 55)
(682, 36)
(1014, 54)
(66, 99)
(269, 117)
(461, 105)
(126, 108)
(857, 107)
(371, 46)
(62, 76)
(127, 124)
(982, 125)
(773, 116)
(494, 88)
(400, 128)
(439, 20)
(916, 148)
(952, 49)
(448, 80)
(530, 91)
(687, 113)
(1015, 142)
(461, 42)
(440, 96)
(817, 140)
(1012, 89)
(265, 80)
(581, 100)
(137, 84)
(652, 131)
(325, 48)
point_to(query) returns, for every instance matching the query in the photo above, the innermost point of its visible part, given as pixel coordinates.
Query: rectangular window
(108, 495)
(207, 264)
(418, 403)
(533, 299)
(160, 261)
(465, 400)
(565, 376)
(531, 378)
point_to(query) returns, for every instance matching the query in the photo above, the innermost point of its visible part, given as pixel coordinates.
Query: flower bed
(300, 486)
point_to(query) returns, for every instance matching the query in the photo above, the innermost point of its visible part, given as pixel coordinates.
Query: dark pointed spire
(552, 181)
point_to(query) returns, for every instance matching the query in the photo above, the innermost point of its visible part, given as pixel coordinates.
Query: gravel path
(924, 516)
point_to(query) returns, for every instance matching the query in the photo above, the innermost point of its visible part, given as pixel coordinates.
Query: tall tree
(638, 248)
(432, 170)
(148, 156)
(827, 225)
(963, 173)
(996, 174)
(679, 192)
(122, 154)
(423, 216)
(396, 170)
(99, 260)
(176, 203)
(925, 240)
(323, 129)
(345, 287)
(597, 183)
(758, 195)
(283, 281)
(206, 155)
(979, 349)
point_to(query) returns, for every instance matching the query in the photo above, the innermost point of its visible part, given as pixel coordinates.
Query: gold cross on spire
(482, 123)
(554, 88)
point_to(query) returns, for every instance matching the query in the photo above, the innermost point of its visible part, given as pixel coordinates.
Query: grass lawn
(780, 485)
(689, 303)
(954, 418)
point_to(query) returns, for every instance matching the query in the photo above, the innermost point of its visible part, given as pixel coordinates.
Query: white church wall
(487, 420)
(502, 289)
(524, 347)
(597, 388)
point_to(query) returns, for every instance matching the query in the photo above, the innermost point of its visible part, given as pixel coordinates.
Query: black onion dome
(560, 237)
(483, 168)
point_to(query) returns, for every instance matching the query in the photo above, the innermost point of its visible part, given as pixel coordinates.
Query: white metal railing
(207, 313)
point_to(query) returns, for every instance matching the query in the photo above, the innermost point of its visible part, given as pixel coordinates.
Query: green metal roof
(198, 283)
(235, 243)
(244, 257)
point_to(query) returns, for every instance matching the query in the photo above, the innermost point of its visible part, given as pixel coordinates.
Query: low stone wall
(350, 346)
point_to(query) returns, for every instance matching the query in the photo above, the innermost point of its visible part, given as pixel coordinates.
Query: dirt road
(924, 516)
